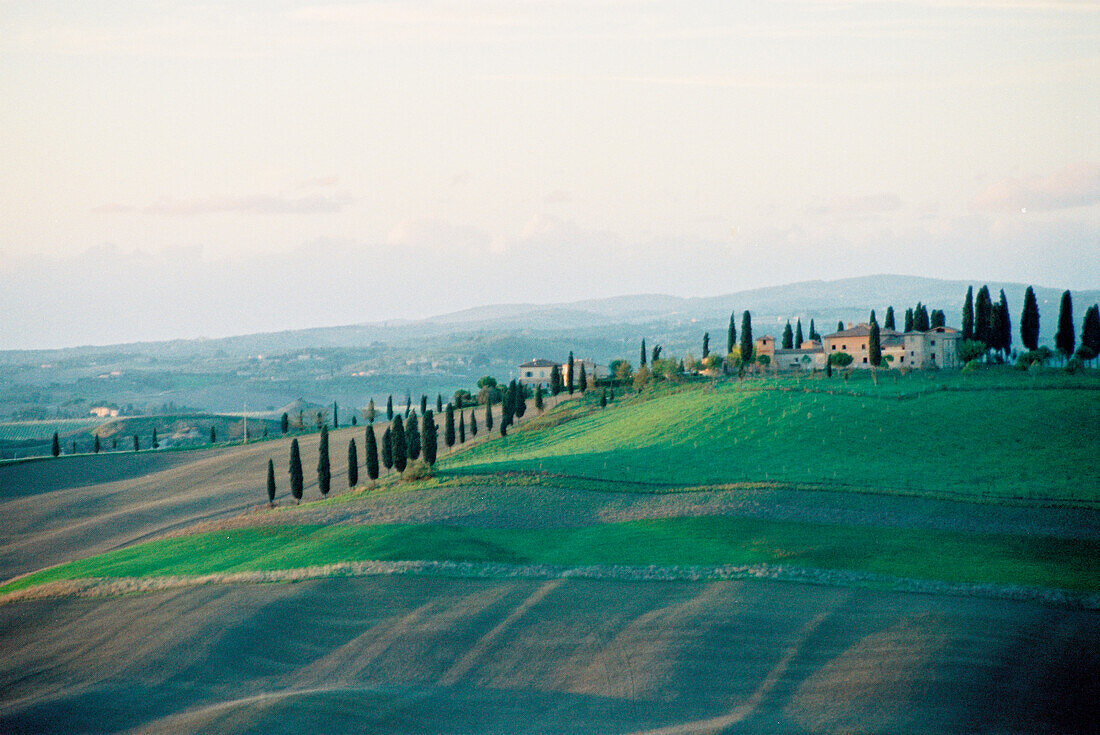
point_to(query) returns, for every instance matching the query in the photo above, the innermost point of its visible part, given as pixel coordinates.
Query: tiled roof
(862, 330)
(540, 363)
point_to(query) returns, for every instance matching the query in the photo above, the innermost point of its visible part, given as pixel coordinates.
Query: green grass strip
(919, 554)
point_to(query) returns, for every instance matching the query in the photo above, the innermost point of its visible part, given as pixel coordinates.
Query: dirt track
(411, 655)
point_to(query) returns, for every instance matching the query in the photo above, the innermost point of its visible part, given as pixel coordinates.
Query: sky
(187, 169)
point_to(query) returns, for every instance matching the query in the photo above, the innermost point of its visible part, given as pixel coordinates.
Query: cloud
(1075, 186)
(860, 205)
(253, 204)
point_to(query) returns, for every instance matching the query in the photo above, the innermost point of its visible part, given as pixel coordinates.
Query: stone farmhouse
(935, 348)
(537, 371)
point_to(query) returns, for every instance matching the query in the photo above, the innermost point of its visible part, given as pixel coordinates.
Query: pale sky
(172, 169)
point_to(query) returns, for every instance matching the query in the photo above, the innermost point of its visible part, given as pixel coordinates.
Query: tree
(354, 422)
(439, 403)
(370, 411)
(412, 437)
(840, 359)
(746, 338)
(430, 433)
(335, 416)
(555, 380)
(353, 464)
(389, 408)
(270, 482)
(96, 446)
(939, 319)
(921, 322)
(397, 444)
(387, 449)
(539, 403)
(1090, 331)
(324, 470)
(996, 329)
(371, 448)
(731, 333)
(828, 368)
(968, 314)
(296, 477)
(214, 434)
(888, 322)
(655, 354)
(488, 417)
(569, 374)
(814, 336)
(284, 424)
(643, 353)
(874, 344)
(798, 338)
(706, 344)
(583, 379)
(137, 443)
(519, 403)
(603, 398)
(424, 403)
(908, 320)
(55, 445)
(840, 326)
(114, 442)
(156, 442)
(1065, 338)
(461, 428)
(788, 337)
(449, 427)
(1029, 321)
(983, 317)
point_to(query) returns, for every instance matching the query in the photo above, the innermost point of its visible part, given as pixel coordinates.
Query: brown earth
(402, 654)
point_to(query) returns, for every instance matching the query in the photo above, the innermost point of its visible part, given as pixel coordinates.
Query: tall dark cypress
(539, 403)
(888, 322)
(603, 398)
(746, 338)
(96, 445)
(461, 428)
(1090, 331)
(387, 449)
(324, 469)
(813, 332)
(874, 344)
(731, 333)
(270, 482)
(423, 404)
(798, 336)
(968, 314)
(908, 320)
(840, 326)
(1004, 339)
(788, 337)
(296, 476)
(995, 328)
(488, 417)
(939, 319)
(137, 443)
(473, 423)
(213, 435)
(449, 426)
(370, 411)
(1029, 321)
(643, 353)
(1065, 338)
(519, 405)
(412, 437)
(706, 344)
(983, 316)
(921, 322)
(335, 416)
(439, 403)
(372, 454)
(284, 425)
(156, 442)
(583, 379)
(569, 374)
(430, 433)
(555, 380)
(353, 464)
(55, 445)
(389, 408)
(397, 444)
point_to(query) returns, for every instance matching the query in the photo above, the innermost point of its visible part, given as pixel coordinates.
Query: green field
(999, 435)
(12, 431)
(922, 554)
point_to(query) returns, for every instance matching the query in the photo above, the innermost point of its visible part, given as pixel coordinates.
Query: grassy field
(15, 431)
(1003, 434)
(705, 541)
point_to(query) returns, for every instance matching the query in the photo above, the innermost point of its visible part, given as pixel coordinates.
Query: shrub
(840, 359)
(972, 366)
(1073, 365)
(970, 350)
(416, 469)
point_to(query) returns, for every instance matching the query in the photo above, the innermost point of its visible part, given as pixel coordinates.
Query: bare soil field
(403, 654)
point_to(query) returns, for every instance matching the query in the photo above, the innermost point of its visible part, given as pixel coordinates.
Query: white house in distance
(537, 371)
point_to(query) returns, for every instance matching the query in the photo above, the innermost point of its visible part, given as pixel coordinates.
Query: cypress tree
(968, 314)
(74, 447)
(449, 427)
(555, 380)
(1065, 338)
(828, 368)
(439, 403)
(284, 424)
(296, 477)
(539, 403)
(995, 327)
(324, 470)
(731, 333)
(507, 406)
(788, 337)
(354, 422)
(1090, 331)
(114, 442)
(372, 454)
(370, 411)
(389, 408)
(908, 320)
(408, 403)
(353, 464)
(603, 398)
(888, 322)
(655, 354)
(412, 437)
(137, 443)
(1029, 321)
(473, 423)
(488, 417)
(387, 449)
(520, 404)
(983, 317)
(423, 404)
(270, 482)
(706, 344)
(643, 352)
(1005, 337)
(874, 345)
(584, 379)
(213, 434)
(461, 428)
(397, 444)
(156, 442)
(921, 322)
(840, 326)
(798, 338)
(96, 446)
(431, 438)
(939, 319)
(335, 416)
(746, 338)
(813, 332)
(55, 445)
(569, 374)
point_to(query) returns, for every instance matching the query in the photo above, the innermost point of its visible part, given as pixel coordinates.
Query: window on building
(528, 374)
(864, 346)
(865, 359)
(933, 343)
(902, 359)
(933, 357)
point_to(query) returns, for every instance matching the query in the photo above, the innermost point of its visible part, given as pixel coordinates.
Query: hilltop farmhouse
(537, 371)
(935, 348)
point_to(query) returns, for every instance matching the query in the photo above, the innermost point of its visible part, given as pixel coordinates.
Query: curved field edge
(932, 555)
(1024, 445)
